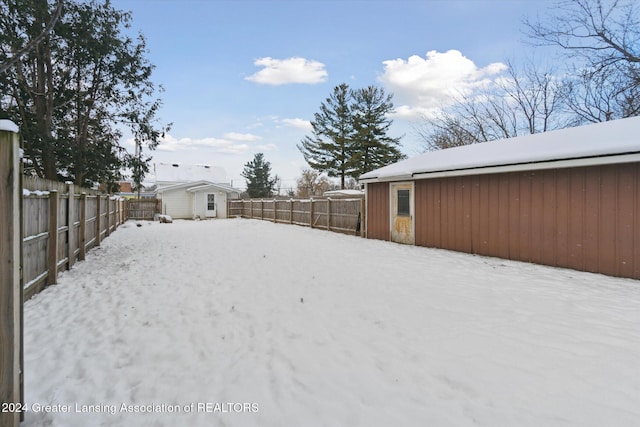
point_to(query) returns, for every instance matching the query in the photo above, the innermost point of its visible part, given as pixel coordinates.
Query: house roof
(197, 186)
(608, 142)
(177, 172)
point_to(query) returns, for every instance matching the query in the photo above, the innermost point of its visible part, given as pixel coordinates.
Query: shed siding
(378, 225)
(584, 218)
(178, 204)
(221, 203)
(198, 204)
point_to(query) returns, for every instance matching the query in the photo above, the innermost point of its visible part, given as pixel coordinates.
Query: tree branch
(33, 43)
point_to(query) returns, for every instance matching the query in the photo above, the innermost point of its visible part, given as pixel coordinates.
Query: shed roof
(582, 145)
(9, 126)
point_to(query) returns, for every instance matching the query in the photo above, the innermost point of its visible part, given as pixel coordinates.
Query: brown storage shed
(566, 198)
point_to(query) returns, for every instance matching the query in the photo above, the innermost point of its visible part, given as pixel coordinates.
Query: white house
(193, 191)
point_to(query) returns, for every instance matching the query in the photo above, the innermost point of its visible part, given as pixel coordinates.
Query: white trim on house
(219, 187)
(611, 142)
(182, 185)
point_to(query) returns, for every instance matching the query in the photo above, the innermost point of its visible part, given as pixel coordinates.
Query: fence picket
(60, 223)
(339, 215)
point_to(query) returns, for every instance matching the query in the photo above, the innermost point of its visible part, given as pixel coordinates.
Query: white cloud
(248, 137)
(287, 71)
(267, 147)
(298, 124)
(423, 85)
(234, 149)
(170, 143)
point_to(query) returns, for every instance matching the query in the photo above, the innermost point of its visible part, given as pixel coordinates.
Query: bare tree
(596, 97)
(603, 32)
(538, 97)
(312, 183)
(444, 131)
(522, 102)
(603, 37)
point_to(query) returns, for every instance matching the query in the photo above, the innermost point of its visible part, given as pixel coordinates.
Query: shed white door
(210, 205)
(402, 226)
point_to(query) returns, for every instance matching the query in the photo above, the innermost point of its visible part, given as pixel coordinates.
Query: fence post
(328, 214)
(107, 220)
(52, 258)
(71, 230)
(290, 211)
(262, 209)
(83, 227)
(311, 212)
(275, 210)
(98, 214)
(251, 208)
(11, 302)
(116, 214)
(363, 218)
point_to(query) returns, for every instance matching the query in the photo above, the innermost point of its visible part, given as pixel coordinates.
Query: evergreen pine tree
(258, 177)
(74, 93)
(371, 147)
(329, 148)
(349, 135)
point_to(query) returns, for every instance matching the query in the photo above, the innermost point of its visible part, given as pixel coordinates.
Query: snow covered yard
(261, 324)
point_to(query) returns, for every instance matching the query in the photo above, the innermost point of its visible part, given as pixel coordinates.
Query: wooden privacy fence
(59, 228)
(46, 227)
(340, 215)
(142, 208)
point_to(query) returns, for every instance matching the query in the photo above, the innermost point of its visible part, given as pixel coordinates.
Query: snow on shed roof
(617, 137)
(9, 126)
(177, 172)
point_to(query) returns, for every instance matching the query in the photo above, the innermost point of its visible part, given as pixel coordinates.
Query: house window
(403, 203)
(211, 202)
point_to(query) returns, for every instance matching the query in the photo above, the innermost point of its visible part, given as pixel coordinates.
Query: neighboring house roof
(125, 187)
(355, 193)
(177, 172)
(615, 141)
(197, 186)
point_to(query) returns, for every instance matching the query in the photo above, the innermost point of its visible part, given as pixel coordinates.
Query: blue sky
(243, 77)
